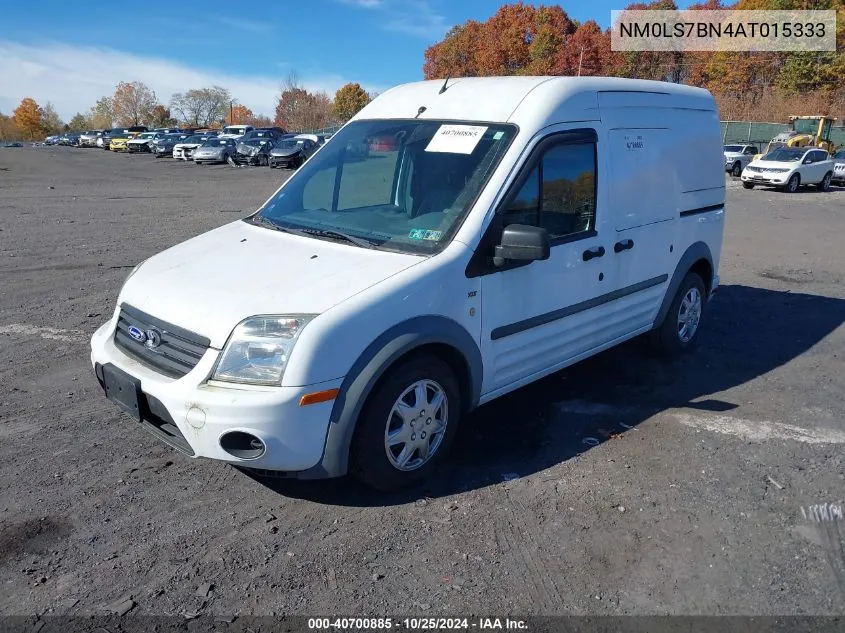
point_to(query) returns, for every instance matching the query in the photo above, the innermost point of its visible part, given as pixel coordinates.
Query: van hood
(214, 281)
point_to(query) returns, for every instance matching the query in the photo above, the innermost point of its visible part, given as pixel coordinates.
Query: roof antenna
(443, 87)
(420, 111)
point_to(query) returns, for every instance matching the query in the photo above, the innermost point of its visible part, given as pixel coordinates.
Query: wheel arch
(434, 334)
(698, 259)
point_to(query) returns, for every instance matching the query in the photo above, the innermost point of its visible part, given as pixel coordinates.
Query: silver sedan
(214, 150)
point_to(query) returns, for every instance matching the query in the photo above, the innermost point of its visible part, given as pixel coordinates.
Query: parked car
(184, 149)
(107, 136)
(142, 142)
(351, 327)
(291, 153)
(118, 141)
(737, 157)
(166, 130)
(253, 151)
(135, 130)
(163, 146)
(89, 138)
(52, 140)
(271, 133)
(789, 168)
(839, 168)
(70, 139)
(214, 150)
(235, 131)
(11, 144)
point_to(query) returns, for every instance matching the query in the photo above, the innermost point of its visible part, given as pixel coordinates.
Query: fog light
(242, 445)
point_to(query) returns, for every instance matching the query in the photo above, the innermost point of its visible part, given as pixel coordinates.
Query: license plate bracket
(122, 389)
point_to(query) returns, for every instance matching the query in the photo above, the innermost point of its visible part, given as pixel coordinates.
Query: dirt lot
(690, 503)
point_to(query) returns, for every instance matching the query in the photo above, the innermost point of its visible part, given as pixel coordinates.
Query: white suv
(789, 168)
(499, 230)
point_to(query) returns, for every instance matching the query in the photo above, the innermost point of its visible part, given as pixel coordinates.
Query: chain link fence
(761, 133)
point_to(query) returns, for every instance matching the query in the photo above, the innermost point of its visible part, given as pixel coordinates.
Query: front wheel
(405, 428)
(679, 331)
(737, 169)
(824, 185)
(792, 184)
(748, 185)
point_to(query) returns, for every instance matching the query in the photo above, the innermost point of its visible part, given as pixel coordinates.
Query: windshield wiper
(260, 220)
(310, 232)
(352, 239)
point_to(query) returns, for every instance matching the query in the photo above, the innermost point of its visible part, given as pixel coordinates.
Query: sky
(72, 53)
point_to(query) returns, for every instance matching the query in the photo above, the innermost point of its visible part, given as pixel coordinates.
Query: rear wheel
(679, 331)
(824, 185)
(407, 424)
(737, 169)
(793, 184)
(748, 185)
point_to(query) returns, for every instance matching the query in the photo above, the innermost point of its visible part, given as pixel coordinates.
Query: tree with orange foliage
(587, 52)
(27, 117)
(239, 114)
(456, 55)
(133, 102)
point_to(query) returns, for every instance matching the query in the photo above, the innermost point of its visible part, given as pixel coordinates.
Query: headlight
(258, 350)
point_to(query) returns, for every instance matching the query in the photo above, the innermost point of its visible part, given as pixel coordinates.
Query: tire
(670, 338)
(748, 185)
(824, 185)
(736, 170)
(793, 184)
(369, 460)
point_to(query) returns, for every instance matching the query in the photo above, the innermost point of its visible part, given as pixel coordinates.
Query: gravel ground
(690, 503)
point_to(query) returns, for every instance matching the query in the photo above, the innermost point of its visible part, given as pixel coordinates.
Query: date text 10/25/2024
(415, 624)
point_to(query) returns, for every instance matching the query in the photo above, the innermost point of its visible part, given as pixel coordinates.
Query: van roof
(530, 102)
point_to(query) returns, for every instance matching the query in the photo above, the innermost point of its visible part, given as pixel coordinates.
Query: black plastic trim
(708, 209)
(554, 315)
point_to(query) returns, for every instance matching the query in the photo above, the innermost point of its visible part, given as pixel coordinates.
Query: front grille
(180, 349)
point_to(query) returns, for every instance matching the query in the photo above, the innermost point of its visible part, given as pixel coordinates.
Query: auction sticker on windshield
(456, 139)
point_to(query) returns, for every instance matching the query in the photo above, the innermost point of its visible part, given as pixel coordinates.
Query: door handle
(624, 245)
(592, 253)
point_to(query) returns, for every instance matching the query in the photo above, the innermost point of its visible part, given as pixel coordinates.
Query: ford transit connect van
(496, 231)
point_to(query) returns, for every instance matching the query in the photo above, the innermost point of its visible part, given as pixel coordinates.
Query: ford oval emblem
(137, 333)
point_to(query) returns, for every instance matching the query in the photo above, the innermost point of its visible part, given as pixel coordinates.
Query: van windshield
(402, 185)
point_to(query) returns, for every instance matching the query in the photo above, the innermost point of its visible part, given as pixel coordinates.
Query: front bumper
(137, 147)
(294, 436)
(117, 147)
(287, 162)
(206, 158)
(243, 159)
(762, 178)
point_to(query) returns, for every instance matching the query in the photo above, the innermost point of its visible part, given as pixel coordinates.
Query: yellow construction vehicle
(804, 131)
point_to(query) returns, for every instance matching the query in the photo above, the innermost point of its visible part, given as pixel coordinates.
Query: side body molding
(370, 367)
(696, 251)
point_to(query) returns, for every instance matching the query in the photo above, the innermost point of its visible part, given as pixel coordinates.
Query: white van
(495, 232)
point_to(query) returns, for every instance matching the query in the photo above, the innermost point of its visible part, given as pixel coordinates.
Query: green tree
(79, 123)
(102, 114)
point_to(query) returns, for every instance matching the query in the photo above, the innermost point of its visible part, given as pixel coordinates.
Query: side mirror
(522, 243)
(807, 161)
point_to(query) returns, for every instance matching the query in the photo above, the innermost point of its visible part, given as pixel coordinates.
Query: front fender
(370, 367)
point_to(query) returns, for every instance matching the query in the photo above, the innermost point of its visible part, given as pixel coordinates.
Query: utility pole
(231, 112)
(580, 59)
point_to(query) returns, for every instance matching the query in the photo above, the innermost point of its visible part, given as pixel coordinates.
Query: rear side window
(560, 193)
